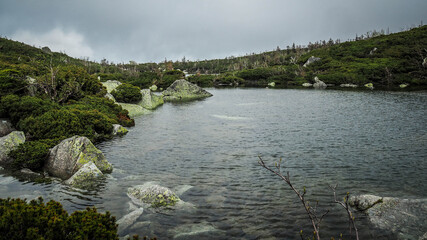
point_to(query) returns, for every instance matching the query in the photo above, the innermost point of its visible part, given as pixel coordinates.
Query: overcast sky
(152, 30)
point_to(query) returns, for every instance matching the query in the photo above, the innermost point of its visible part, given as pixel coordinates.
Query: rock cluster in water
(77, 161)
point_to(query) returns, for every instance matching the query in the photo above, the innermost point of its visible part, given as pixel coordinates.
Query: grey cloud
(151, 30)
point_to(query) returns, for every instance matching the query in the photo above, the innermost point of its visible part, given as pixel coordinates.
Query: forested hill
(386, 60)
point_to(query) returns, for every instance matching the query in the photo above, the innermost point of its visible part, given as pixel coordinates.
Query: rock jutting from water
(119, 130)
(8, 143)
(182, 90)
(150, 100)
(405, 218)
(85, 177)
(66, 158)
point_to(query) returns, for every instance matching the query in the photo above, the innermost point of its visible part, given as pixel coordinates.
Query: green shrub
(202, 80)
(36, 220)
(105, 106)
(11, 82)
(256, 74)
(127, 93)
(66, 123)
(229, 79)
(18, 108)
(31, 154)
(169, 77)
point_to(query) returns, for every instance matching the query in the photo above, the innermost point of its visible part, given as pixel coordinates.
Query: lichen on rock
(85, 177)
(119, 130)
(153, 194)
(66, 158)
(182, 90)
(8, 143)
(150, 100)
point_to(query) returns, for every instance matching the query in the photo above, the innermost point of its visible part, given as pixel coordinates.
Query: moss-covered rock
(182, 90)
(111, 85)
(150, 100)
(66, 158)
(153, 194)
(119, 130)
(134, 109)
(8, 143)
(85, 177)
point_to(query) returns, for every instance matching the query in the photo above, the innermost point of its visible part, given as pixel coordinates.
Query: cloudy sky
(152, 30)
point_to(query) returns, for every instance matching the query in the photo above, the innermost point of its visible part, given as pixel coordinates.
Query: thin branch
(347, 208)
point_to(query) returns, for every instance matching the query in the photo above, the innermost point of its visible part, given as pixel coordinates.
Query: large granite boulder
(66, 158)
(85, 177)
(5, 128)
(8, 143)
(319, 84)
(311, 60)
(182, 90)
(150, 100)
(405, 218)
(111, 85)
(152, 194)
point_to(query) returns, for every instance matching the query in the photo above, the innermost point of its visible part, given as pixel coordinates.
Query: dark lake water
(367, 142)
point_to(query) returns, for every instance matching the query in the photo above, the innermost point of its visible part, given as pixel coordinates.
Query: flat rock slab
(406, 218)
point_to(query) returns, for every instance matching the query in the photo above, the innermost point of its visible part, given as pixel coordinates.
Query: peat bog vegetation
(47, 98)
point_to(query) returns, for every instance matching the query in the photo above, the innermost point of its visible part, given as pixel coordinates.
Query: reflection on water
(368, 142)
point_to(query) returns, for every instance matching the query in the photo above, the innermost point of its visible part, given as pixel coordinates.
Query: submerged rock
(111, 85)
(405, 218)
(319, 84)
(182, 90)
(66, 158)
(119, 130)
(311, 60)
(150, 100)
(5, 128)
(129, 219)
(8, 143)
(195, 231)
(153, 194)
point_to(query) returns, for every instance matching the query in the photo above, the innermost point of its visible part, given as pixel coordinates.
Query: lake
(366, 141)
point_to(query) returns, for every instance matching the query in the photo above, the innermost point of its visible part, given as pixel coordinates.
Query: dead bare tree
(312, 211)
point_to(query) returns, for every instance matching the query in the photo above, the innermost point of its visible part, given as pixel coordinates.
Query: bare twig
(311, 212)
(345, 205)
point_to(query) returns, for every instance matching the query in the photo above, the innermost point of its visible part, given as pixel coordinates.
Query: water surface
(367, 142)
